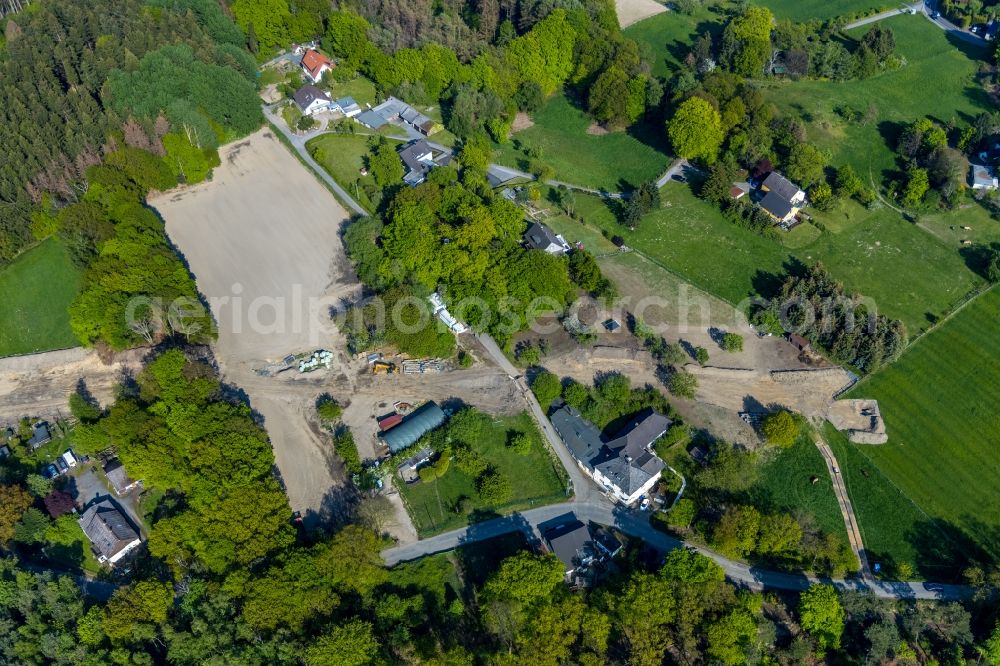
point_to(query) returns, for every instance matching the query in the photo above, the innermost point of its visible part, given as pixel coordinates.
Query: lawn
(615, 161)
(939, 402)
(804, 10)
(669, 36)
(343, 156)
(785, 486)
(35, 292)
(938, 80)
(534, 480)
(908, 271)
(360, 88)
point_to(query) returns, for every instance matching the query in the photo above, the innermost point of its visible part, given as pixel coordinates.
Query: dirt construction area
(38, 385)
(262, 240)
(633, 11)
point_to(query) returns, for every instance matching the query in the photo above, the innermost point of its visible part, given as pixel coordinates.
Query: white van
(69, 458)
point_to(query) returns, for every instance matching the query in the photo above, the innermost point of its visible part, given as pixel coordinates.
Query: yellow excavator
(383, 368)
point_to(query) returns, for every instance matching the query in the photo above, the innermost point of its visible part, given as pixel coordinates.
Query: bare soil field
(633, 11)
(262, 240)
(39, 385)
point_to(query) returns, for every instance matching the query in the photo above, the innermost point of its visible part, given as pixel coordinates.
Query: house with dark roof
(624, 465)
(119, 480)
(540, 237)
(312, 100)
(782, 198)
(39, 435)
(110, 532)
(419, 157)
(315, 65)
(578, 546)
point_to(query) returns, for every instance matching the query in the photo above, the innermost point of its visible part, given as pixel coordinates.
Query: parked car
(61, 464)
(50, 472)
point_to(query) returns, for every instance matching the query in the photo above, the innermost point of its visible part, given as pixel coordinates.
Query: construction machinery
(383, 368)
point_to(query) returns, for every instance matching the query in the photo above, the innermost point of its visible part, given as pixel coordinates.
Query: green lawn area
(614, 161)
(669, 35)
(938, 80)
(360, 88)
(343, 155)
(869, 251)
(785, 486)
(939, 402)
(804, 10)
(35, 292)
(534, 480)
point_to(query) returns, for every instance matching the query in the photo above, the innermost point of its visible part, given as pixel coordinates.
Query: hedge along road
(590, 505)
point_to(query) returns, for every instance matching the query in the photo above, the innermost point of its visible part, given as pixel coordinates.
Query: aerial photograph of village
(500, 332)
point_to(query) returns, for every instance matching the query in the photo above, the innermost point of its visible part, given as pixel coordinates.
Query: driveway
(89, 484)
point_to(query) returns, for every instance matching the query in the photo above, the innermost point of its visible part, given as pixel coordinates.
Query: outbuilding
(425, 418)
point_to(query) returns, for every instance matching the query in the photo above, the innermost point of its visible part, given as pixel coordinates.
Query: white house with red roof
(315, 65)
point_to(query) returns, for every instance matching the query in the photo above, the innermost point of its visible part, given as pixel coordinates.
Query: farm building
(409, 468)
(799, 342)
(426, 418)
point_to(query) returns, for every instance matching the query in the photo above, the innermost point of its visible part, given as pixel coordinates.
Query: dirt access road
(262, 240)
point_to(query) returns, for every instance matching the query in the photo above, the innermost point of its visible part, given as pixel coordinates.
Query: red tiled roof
(313, 61)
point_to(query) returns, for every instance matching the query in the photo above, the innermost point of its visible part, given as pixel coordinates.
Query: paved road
(636, 524)
(299, 143)
(883, 15)
(925, 8)
(846, 509)
(675, 167)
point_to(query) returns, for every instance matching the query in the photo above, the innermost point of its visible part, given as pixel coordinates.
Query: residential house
(119, 480)
(625, 465)
(782, 198)
(419, 157)
(315, 65)
(39, 435)
(982, 177)
(110, 532)
(540, 237)
(311, 100)
(579, 547)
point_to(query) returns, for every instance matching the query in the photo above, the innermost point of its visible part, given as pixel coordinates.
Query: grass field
(343, 155)
(869, 251)
(35, 292)
(939, 402)
(533, 477)
(933, 65)
(669, 35)
(785, 486)
(615, 161)
(804, 10)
